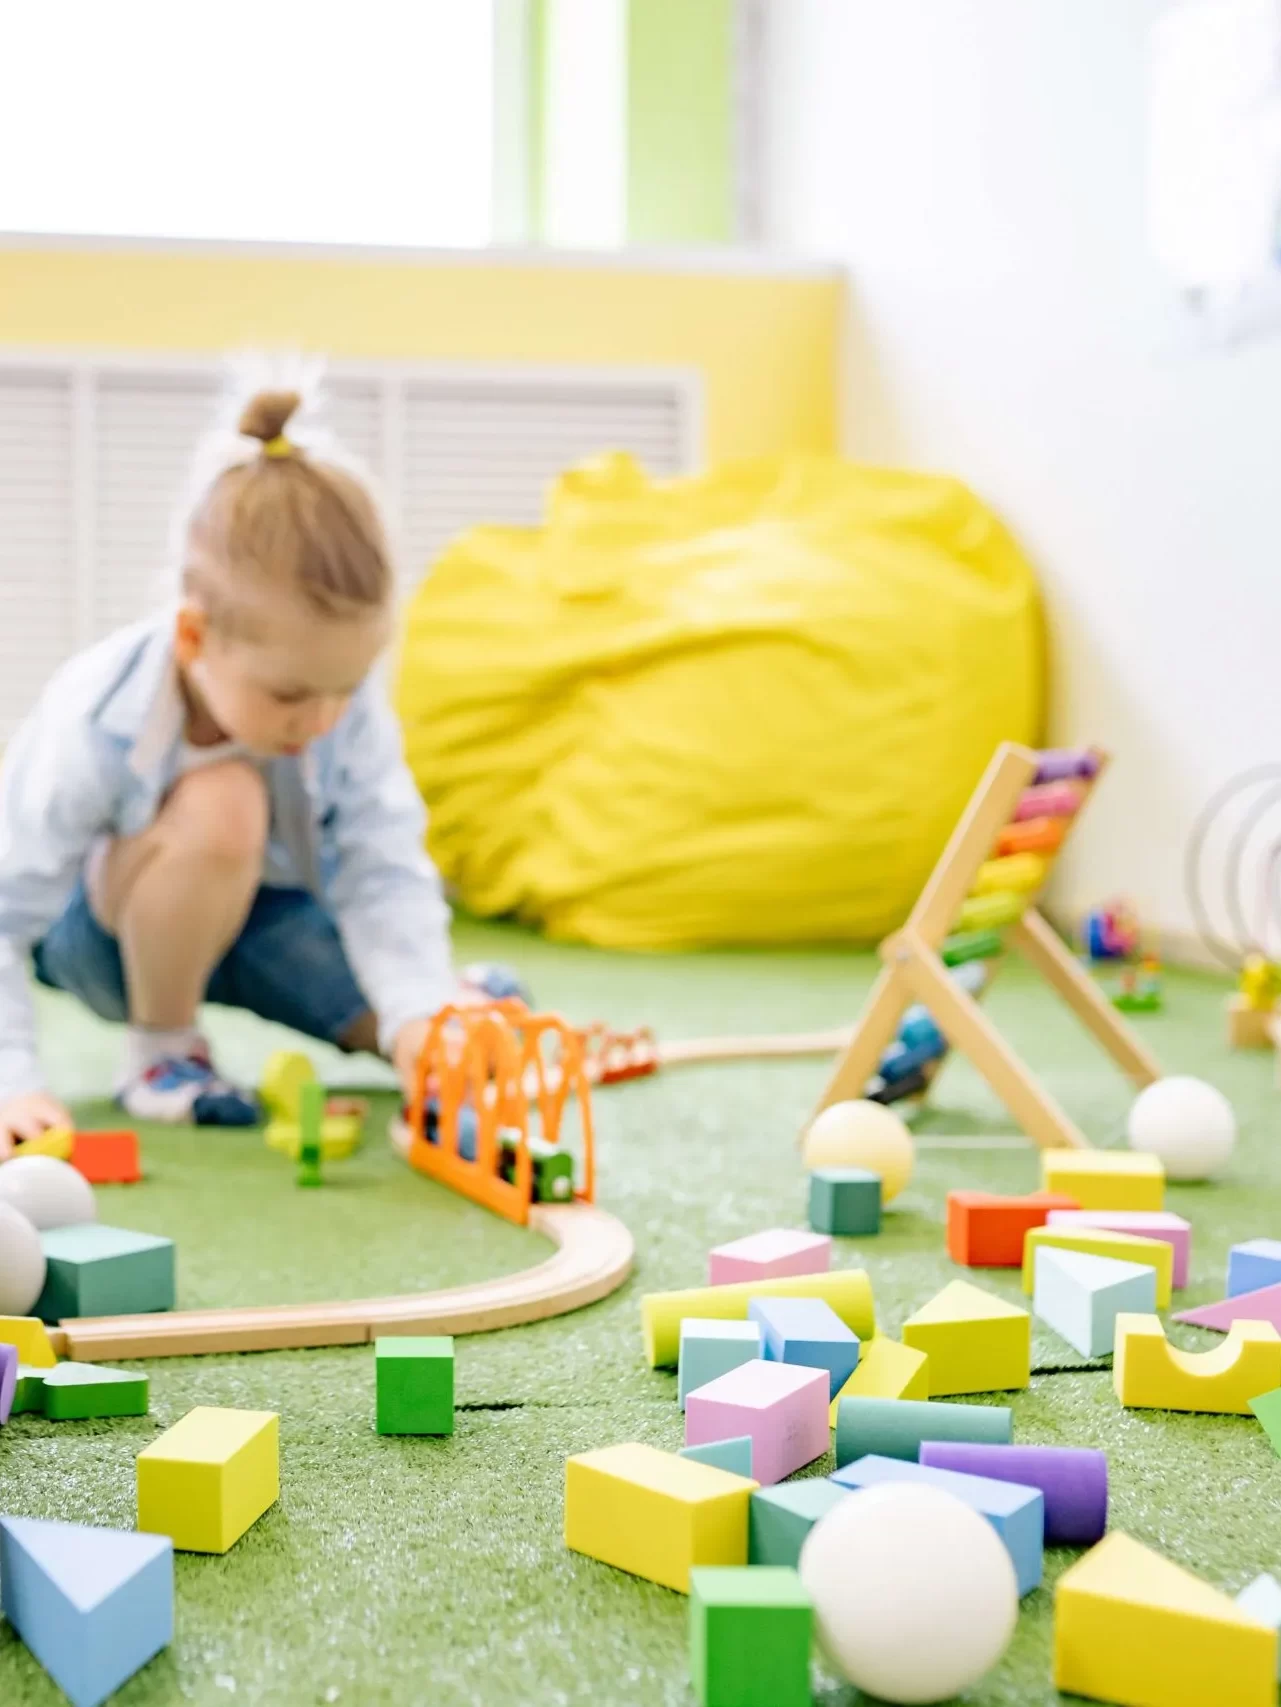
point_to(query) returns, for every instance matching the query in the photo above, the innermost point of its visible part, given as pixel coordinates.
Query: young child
(214, 805)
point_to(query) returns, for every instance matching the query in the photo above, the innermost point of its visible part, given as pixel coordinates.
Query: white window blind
(94, 455)
(37, 533)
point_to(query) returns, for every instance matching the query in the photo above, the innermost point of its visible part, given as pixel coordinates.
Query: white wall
(979, 166)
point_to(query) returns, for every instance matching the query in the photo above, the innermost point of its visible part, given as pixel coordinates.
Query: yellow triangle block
(1101, 1242)
(886, 1370)
(655, 1514)
(976, 1343)
(1105, 1179)
(29, 1335)
(1149, 1373)
(1130, 1627)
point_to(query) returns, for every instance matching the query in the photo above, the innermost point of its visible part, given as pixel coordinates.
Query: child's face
(286, 682)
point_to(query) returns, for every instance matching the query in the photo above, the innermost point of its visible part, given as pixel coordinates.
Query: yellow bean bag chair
(745, 707)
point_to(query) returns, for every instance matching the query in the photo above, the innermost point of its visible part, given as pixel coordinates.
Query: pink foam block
(762, 1256)
(1261, 1306)
(1147, 1223)
(783, 1406)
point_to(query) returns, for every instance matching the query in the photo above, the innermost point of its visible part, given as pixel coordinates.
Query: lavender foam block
(1073, 1480)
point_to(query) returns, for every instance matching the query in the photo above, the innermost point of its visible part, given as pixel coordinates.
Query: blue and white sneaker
(498, 982)
(187, 1091)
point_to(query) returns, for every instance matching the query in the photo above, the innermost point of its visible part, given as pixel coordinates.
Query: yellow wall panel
(765, 341)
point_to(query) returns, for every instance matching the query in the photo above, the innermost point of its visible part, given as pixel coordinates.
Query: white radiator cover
(94, 451)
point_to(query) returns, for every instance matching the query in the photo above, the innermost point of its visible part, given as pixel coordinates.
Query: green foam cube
(28, 1395)
(76, 1391)
(104, 1271)
(1267, 1407)
(782, 1516)
(414, 1384)
(749, 1636)
(845, 1201)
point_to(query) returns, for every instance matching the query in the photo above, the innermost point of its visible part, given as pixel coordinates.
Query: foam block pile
(779, 1362)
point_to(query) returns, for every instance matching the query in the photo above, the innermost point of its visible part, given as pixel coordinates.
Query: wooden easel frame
(914, 971)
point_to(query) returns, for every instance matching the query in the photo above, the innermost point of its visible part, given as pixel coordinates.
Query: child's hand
(413, 1034)
(28, 1116)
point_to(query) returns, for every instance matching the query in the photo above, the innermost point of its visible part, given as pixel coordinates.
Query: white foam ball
(22, 1263)
(1185, 1122)
(862, 1135)
(48, 1192)
(914, 1593)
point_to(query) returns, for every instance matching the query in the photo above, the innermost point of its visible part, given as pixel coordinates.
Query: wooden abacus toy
(980, 899)
(493, 1061)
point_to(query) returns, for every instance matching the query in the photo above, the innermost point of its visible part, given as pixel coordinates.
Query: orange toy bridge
(499, 1060)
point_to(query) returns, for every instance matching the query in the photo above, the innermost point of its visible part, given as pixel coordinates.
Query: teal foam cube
(782, 1516)
(711, 1348)
(94, 1270)
(845, 1201)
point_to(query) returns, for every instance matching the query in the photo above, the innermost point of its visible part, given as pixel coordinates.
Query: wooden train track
(593, 1258)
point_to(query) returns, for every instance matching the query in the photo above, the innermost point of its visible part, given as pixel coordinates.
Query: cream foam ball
(914, 1593)
(22, 1264)
(48, 1192)
(1185, 1122)
(862, 1135)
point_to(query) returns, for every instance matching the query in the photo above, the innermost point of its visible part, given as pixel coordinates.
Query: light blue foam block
(1261, 1600)
(735, 1454)
(1015, 1512)
(92, 1605)
(809, 1332)
(1080, 1295)
(1252, 1264)
(710, 1347)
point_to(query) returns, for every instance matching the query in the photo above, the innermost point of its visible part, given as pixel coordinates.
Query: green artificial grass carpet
(413, 1571)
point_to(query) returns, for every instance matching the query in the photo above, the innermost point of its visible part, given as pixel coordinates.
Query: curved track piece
(593, 1258)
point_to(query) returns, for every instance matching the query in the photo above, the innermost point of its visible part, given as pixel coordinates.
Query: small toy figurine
(1140, 991)
(1260, 983)
(1111, 932)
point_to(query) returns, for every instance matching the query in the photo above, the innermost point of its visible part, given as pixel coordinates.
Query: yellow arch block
(1148, 1373)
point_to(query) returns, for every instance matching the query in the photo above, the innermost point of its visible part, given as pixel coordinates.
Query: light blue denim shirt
(96, 757)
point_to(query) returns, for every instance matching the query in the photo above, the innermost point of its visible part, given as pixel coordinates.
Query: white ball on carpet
(48, 1192)
(914, 1593)
(862, 1135)
(1185, 1122)
(22, 1263)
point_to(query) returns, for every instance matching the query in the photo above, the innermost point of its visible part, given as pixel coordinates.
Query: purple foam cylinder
(1073, 1480)
(8, 1379)
(1059, 763)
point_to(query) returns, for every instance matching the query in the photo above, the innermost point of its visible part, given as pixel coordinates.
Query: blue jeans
(287, 965)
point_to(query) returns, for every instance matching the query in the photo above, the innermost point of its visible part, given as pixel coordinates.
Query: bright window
(325, 121)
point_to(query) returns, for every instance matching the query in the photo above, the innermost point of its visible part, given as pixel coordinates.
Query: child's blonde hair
(271, 509)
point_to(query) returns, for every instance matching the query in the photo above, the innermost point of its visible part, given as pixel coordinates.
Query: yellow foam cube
(1101, 1242)
(210, 1477)
(886, 1370)
(31, 1339)
(975, 1342)
(654, 1514)
(1148, 1373)
(848, 1291)
(1132, 1628)
(1105, 1179)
